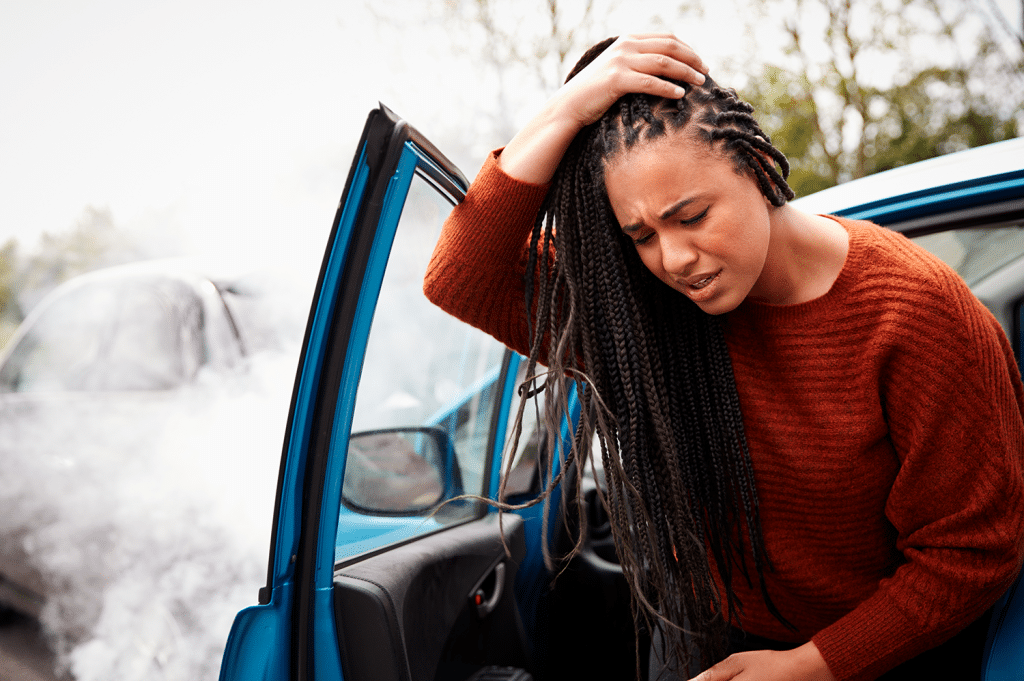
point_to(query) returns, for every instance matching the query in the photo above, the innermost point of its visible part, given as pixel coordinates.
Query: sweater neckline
(768, 312)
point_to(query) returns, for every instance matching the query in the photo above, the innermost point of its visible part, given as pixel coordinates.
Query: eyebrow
(629, 229)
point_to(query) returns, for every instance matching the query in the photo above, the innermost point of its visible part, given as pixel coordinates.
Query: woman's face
(698, 225)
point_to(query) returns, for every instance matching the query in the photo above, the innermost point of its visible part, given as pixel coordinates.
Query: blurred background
(215, 138)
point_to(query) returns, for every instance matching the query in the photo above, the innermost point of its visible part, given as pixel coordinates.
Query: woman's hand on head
(800, 664)
(638, 63)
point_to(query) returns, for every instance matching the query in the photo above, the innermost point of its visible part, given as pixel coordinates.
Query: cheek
(650, 256)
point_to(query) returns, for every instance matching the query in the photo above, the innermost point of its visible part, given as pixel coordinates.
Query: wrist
(812, 665)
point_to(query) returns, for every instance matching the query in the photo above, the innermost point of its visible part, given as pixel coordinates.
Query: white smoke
(149, 520)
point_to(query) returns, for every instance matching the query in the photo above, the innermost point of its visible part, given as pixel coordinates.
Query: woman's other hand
(800, 664)
(638, 63)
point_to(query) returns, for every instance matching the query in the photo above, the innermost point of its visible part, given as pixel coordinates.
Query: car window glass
(523, 477)
(976, 252)
(429, 383)
(110, 336)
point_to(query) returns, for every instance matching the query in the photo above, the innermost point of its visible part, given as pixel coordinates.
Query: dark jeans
(958, 659)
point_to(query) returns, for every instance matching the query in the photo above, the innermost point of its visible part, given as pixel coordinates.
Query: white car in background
(136, 408)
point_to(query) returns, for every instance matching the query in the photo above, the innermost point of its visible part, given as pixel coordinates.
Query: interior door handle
(487, 593)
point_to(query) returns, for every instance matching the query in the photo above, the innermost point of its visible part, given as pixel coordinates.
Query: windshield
(141, 334)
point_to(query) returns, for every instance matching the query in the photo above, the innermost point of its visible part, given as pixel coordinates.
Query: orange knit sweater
(883, 420)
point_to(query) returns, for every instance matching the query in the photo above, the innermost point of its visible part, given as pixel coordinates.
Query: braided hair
(653, 372)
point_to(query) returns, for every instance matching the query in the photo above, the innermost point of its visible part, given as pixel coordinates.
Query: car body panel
(944, 185)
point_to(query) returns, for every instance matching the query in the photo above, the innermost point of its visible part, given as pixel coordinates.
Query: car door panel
(408, 614)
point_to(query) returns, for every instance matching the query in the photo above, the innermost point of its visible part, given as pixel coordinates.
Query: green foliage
(93, 242)
(10, 314)
(8, 272)
(911, 123)
(787, 111)
(950, 85)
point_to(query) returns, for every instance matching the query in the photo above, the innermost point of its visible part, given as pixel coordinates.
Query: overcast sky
(207, 126)
(222, 124)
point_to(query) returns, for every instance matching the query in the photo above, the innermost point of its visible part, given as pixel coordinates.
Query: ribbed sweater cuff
(864, 643)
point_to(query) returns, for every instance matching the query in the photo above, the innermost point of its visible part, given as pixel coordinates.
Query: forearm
(916, 610)
(535, 152)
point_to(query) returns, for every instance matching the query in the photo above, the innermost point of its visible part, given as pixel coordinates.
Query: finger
(647, 84)
(663, 68)
(727, 669)
(668, 67)
(670, 46)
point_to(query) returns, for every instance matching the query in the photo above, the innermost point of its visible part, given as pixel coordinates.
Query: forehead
(667, 168)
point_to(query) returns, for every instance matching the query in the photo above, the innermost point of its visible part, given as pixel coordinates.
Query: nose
(679, 253)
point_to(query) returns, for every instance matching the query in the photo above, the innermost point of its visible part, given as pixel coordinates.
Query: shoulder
(918, 302)
(893, 273)
(893, 259)
(924, 315)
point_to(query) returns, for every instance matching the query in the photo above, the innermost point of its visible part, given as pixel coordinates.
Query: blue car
(380, 567)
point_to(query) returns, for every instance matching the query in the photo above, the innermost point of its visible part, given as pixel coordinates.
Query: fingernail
(678, 92)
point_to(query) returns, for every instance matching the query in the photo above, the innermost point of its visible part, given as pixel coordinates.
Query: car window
(976, 252)
(110, 336)
(429, 383)
(524, 475)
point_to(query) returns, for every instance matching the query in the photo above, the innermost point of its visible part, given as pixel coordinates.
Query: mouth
(704, 281)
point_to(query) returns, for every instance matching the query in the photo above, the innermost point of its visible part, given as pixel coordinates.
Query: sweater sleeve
(476, 271)
(953, 399)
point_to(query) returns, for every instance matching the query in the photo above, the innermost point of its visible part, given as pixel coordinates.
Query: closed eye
(696, 218)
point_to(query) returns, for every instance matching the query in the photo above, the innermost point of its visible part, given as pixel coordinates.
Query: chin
(719, 305)
(715, 309)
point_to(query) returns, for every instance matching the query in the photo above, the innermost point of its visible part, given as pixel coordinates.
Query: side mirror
(399, 471)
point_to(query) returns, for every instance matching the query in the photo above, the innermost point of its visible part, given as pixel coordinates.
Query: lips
(703, 281)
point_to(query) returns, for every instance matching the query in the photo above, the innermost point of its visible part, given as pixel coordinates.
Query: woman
(811, 430)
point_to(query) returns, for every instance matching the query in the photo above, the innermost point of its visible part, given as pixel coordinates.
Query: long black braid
(654, 372)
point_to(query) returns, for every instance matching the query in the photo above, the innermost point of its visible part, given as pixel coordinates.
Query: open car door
(378, 569)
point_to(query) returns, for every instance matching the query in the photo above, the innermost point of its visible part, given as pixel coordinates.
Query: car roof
(984, 185)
